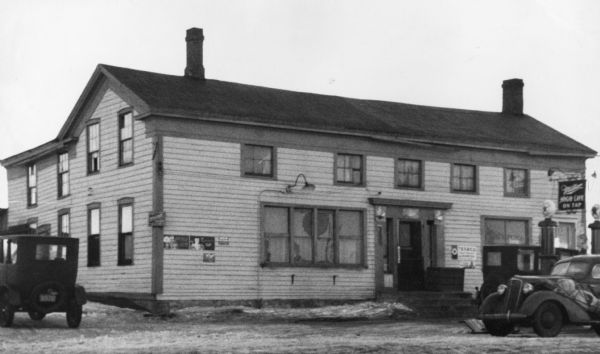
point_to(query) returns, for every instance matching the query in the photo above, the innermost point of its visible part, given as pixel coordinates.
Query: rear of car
(37, 276)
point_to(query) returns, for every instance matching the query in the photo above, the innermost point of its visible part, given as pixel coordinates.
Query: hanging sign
(571, 195)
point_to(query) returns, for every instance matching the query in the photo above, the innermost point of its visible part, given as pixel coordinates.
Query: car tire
(36, 315)
(74, 314)
(548, 319)
(7, 312)
(35, 304)
(499, 328)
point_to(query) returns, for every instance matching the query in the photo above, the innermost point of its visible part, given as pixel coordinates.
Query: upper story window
(500, 231)
(63, 223)
(409, 174)
(63, 174)
(464, 178)
(565, 236)
(125, 138)
(301, 236)
(349, 169)
(516, 182)
(258, 161)
(93, 147)
(125, 256)
(31, 185)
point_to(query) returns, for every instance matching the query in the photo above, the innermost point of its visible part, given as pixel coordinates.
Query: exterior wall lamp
(308, 187)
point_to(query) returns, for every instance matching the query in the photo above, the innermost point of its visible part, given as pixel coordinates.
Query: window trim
(120, 115)
(90, 123)
(59, 174)
(475, 179)
(527, 185)
(90, 207)
(61, 213)
(121, 261)
(421, 186)
(363, 172)
(529, 228)
(29, 187)
(363, 264)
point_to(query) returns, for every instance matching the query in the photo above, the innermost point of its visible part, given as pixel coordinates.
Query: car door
(594, 279)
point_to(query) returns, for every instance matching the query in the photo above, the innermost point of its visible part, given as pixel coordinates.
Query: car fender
(574, 312)
(80, 296)
(490, 303)
(14, 298)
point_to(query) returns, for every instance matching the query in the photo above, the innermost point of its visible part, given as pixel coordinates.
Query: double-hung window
(63, 174)
(93, 235)
(258, 161)
(305, 236)
(516, 182)
(125, 138)
(125, 251)
(93, 147)
(565, 236)
(31, 185)
(349, 169)
(464, 178)
(63, 223)
(409, 174)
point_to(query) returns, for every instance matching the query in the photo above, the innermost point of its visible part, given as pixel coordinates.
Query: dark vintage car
(37, 276)
(569, 295)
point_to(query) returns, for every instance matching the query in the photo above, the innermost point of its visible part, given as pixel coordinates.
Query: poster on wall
(571, 195)
(187, 242)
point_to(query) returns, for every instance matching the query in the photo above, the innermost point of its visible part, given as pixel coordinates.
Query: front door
(411, 274)
(404, 261)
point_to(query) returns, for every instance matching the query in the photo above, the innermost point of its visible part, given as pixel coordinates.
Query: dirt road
(111, 330)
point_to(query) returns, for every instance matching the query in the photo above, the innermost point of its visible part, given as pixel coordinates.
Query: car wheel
(548, 320)
(7, 312)
(498, 328)
(74, 313)
(36, 315)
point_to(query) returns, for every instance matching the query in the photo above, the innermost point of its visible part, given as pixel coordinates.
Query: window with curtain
(295, 235)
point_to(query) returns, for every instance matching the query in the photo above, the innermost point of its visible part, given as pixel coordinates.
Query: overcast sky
(436, 53)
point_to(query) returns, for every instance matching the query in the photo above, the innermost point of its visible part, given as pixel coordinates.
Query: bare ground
(107, 329)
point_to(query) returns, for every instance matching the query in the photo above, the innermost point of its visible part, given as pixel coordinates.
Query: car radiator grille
(512, 295)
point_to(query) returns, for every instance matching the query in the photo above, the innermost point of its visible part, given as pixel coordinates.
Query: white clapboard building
(182, 188)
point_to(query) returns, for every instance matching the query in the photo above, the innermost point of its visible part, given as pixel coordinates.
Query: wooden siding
(205, 196)
(106, 187)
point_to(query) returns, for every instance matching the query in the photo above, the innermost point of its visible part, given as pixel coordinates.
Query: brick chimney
(194, 68)
(512, 96)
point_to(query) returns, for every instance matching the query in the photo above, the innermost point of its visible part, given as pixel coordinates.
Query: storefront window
(293, 236)
(506, 232)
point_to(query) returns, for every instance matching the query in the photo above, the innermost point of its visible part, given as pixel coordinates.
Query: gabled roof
(179, 96)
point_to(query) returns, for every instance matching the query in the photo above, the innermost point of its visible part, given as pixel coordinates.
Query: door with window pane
(411, 273)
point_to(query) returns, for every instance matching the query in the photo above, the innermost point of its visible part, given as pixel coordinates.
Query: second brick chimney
(512, 96)
(194, 68)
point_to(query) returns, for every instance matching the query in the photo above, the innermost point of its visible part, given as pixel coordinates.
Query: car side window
(10, 249)
(596, 271)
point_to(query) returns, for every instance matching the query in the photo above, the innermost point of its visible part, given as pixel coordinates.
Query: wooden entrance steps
(433, 304)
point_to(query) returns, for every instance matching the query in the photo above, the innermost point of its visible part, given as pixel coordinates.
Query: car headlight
(527, 288)
(501, 289)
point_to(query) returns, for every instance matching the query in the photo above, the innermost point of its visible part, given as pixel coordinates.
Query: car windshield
(572, 269)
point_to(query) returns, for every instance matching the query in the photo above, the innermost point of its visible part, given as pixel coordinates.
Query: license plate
(47, 298)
